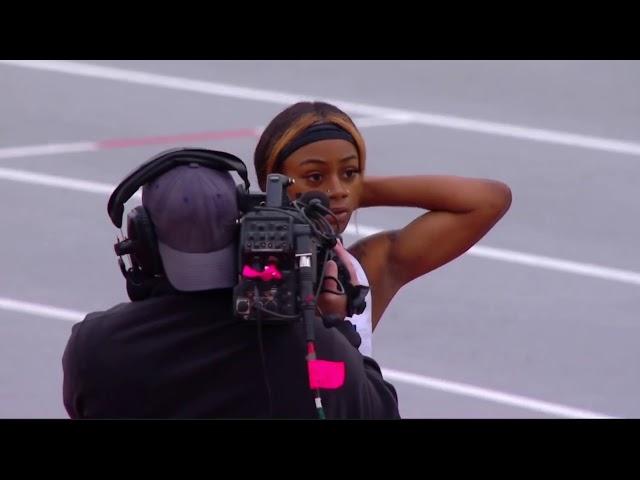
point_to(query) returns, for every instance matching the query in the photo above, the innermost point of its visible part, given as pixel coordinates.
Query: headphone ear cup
(139, 291)
(146, 257)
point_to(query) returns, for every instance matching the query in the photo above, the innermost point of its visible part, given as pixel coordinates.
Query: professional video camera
(283, 247)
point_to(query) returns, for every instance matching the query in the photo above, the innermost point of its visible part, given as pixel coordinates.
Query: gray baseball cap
(194, 211)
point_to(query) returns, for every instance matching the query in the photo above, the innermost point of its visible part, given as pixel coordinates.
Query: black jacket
(184, 355)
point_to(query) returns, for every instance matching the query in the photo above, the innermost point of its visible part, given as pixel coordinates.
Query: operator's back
(184, 355)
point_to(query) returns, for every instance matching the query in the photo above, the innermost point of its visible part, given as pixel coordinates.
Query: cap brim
(200, 271)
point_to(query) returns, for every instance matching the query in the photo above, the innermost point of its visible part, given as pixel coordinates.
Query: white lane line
(538, 261)
(489, 395)
(283, 98)
(59, 182)
(74, 316)
(366, 122)
(585, 269)
(511, 256)
(40, 310)
(47, 149)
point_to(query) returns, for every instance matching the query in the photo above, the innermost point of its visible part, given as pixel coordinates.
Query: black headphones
(140, 242)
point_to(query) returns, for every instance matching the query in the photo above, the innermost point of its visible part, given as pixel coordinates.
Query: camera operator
(179, 352)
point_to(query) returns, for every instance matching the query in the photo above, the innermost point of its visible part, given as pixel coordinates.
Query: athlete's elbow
(499, 198)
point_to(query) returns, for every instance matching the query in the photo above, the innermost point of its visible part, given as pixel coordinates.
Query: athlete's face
(331, 167)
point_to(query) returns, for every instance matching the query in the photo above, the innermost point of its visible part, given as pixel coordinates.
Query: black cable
(275, 314)
(321, 281)
(329, 234)
(264, 364)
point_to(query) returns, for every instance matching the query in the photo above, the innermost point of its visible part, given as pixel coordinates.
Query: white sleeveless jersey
(363, 322)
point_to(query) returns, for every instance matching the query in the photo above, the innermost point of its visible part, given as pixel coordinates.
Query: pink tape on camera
(325, 374)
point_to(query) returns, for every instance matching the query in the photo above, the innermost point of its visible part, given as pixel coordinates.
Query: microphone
(315, 198)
